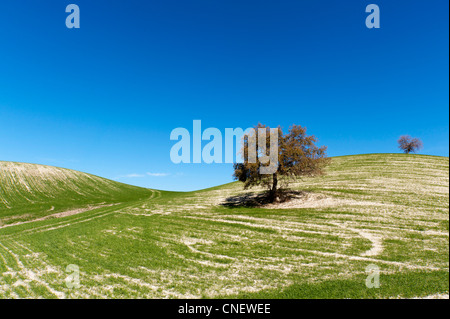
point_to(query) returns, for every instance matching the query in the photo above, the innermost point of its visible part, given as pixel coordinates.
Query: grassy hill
(28, 191)
(385, 210)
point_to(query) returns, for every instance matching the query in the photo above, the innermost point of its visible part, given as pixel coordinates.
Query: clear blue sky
(104, 98)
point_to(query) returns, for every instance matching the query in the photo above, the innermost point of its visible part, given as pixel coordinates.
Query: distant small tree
(408, 144)
(297, 156)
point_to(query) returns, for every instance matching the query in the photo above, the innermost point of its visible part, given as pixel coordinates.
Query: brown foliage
(408, 144)
(297, 156)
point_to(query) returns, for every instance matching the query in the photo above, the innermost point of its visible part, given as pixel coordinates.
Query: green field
(388, 210)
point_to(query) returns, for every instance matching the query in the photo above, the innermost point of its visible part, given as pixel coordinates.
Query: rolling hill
(388, 211)
(29, 191)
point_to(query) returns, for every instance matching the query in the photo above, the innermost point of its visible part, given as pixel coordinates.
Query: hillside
(28, 191)
(390, 211)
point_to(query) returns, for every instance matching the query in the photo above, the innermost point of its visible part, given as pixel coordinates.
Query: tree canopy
(297, 155)
(408, 144)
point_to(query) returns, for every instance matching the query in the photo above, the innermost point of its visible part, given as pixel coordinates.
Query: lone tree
(297, 156)
(408, 144)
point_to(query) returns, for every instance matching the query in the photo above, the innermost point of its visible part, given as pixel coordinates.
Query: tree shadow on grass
(254, 199)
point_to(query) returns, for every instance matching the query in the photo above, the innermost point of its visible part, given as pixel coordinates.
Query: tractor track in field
(73, 212)
(13, 253)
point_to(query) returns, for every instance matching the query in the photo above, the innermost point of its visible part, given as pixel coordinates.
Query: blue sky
(104, 98)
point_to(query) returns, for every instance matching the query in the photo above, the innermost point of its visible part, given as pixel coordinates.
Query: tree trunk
(273, 191)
